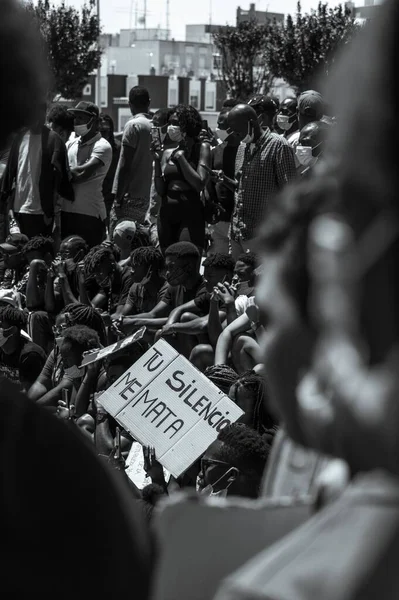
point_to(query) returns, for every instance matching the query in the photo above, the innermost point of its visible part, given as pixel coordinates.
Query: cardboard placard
(135, 467)
(95, 355)
(165, 402)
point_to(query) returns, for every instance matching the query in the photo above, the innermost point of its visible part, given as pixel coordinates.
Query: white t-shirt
(27, 195)
(89, 199)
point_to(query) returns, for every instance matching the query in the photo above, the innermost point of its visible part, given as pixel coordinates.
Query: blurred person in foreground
(310, 146)
(33, 533)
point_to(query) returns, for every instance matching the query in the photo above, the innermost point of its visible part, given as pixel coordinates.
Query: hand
(225, 293)
(168, 329)
(156, 150)
(63, 412)
(80, 270)
(205, 136)
(58, 266)
(217, 176)
(93, 370)
(176, 156)
(152, 467)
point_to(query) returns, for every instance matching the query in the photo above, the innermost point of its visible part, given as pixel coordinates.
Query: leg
(202, 356)
(33, 225)
(91, 229)
(192, 227)
(245, 353)
(220, 238)
(40, 329)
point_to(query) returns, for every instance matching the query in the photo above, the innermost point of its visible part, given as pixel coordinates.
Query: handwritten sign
(95, 355)
(135, 467)
(165, 402)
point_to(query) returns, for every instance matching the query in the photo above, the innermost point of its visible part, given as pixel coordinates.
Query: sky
(115, 14)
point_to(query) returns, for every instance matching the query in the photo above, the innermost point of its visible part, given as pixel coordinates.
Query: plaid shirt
(262, 171)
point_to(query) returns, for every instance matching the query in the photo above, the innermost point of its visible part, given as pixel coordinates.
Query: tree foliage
(242, 49)
(306, 46)
(71, 44)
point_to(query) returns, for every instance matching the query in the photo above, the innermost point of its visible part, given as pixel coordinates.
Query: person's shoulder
(278, 139)
(102, 144)
(201, 289)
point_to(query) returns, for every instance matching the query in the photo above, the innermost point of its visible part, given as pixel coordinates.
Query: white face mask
(73, 372)
(305, 156)
(249, 138)
(283, 121)
(174, 133)
(222, 134)
(82, 130)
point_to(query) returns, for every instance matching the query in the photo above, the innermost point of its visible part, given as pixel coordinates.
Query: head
(310, 108)
(234, 463)
(160, 124)
(243, 121)
(11, 251)
(182, 261)
(103, 266)
(184, 124)
(218, 267)
(123, 235)
(106, 128)
(86, 119)
(61, 121)
(73, 248)
(230, 102)
(41, 248)
(221, 129)
(245, 267)
(250, 394)
(146, 262)
(311, 142)
(119, 363)
(222, 376)
(80, 314)
(76, 340)
(266, 109)
(12, 321)
(287, 118)
(139, 100)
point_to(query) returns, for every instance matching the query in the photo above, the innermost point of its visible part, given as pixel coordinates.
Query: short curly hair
(39, 243)
(249, 258)
(149, 256)
(60, 116)
(99, 256)
(81, 337)
(219, 260)
(189, 119)
(184, 250)
(13, 316)
(244, 448)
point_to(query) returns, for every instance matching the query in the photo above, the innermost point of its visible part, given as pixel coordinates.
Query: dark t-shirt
(223, 158)
(177, 295)
(143, 298)
(121, 284)
(56, 497)
(27, 362)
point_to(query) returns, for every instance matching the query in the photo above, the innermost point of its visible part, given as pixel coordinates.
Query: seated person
(249, 393)
(184, 284)
(234, 464)
(45, 390)
(12, 262)
(245, 273)
(149, 287)
(223, 376)
(20, 359)
(73, 249)
(39, 254)
(113, 280)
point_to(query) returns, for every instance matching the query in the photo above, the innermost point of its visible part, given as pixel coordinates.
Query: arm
(177, 312)
(194, 327)
(84, 172)
(34, 294)
(154, 319)
(87, 388)
(240, 325)
(159, 181)
(205, 159)
(214, 323)
(52, 396)
(99, 301)
(121, 183)
(285, 165)
(190, 175)
(49, 295)
(66, 291)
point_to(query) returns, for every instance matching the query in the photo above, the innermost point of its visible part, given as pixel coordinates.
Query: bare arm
(121, 185)
(223, 347)
(159, 181)
(83, 172)
(205, 159)
(49, 295)
(214, 322)
(177, 312)
(55, 394)
(190, 175)
(34, 294)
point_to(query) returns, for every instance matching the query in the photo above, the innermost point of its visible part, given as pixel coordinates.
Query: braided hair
(39, 243)
(81, 314)
(148, 256)
(222, 376)
(262, 421)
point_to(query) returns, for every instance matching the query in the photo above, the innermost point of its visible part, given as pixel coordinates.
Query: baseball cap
(263, 103)
(14, 243)
(87, 108)
(8, 297)
(124, 233)
(310, 104)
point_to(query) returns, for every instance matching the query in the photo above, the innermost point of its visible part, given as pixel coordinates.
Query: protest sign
(165, 402)
(93, 355)
(135, 467)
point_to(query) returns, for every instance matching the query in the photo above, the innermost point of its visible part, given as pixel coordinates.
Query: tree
(242, 49)
(305, 48)
(71, 44)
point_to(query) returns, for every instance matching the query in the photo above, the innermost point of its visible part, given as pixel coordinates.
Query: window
(210, 98)
(194, 101)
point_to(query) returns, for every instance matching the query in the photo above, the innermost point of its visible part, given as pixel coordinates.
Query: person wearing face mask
(12, 260)
(310, 146)
(223, 165)
(287, 118)
(107, 131)
(132, 183)
(90, 157)
(36, 174)
(21, 360)
(266, 109)
(180, 176)
(234, 464)
(264, 165)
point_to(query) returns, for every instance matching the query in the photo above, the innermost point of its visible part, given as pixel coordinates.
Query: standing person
(223, 162)
(310, 146)
(107, 131)
(287, 118)
(266, 109)
(61, 121)
(310, 109)
(132, 184)
(264, 165)
(89, 157)
(36, 173)
(180, 178)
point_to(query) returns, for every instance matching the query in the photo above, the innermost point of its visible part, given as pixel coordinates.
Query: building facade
(261, 17)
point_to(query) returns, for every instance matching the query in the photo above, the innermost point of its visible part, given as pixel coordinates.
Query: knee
(202, 356)
(187, 316)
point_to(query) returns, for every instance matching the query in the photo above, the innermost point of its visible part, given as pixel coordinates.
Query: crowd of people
(265, 253)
